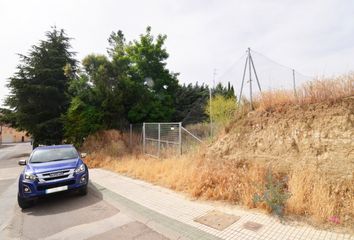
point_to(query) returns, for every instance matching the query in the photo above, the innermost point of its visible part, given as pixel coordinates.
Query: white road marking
(88, 230)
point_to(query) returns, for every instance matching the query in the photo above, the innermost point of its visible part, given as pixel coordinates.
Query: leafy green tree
(133, 84)
(156, 85)
(106, 85)
(81, 120)
(84, 115)
(39, 88)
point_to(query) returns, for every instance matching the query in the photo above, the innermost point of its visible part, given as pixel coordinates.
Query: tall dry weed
(312, 195)
(318, 90)
(317, 195)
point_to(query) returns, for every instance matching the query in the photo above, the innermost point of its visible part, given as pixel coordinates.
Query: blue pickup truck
(51, 169)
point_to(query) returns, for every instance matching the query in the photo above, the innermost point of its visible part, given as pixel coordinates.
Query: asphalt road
(60, 216)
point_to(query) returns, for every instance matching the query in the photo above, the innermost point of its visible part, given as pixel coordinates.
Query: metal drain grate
(253, 226)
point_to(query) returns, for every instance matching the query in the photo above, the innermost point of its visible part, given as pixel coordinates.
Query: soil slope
(318, 135)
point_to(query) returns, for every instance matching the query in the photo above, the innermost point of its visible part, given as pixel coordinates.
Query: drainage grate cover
(217, 219)
(253, 226)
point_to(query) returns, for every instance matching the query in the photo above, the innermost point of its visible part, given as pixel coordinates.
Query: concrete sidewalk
(178, 213)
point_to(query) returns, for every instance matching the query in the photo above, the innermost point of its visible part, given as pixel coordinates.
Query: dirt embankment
(312, 145)
(318, 135)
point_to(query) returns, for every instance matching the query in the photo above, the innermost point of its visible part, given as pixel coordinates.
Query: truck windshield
(54, 154)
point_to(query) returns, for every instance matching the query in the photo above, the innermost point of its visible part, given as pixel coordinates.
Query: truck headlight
(80, 169)
(30, 176)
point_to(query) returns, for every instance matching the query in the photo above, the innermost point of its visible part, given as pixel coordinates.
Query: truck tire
(23, 203)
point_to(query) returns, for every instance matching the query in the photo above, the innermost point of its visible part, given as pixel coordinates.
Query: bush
(222, 109)
(274, 194)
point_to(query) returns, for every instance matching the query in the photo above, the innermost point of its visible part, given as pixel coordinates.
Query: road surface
(61, 216)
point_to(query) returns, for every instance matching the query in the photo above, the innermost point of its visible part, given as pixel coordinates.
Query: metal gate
(165, 139)
(162, 139)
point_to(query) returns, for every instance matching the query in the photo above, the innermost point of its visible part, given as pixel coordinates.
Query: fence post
(294, 84)
(180, 137)
(210, 113)
(158, 139)
(130, 135)
(144, 138)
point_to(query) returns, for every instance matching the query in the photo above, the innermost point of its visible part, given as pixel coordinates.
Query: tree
(222, 109)
(84, 116)
(132, 85)
(39, 89)
(156, 85)
(227, 92)
(190, 103)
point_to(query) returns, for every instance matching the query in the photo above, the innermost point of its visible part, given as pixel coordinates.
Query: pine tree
(38, 90)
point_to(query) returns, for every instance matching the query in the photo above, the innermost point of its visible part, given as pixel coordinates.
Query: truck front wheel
(24, 203)
(83, 191)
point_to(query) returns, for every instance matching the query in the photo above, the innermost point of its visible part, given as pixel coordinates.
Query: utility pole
(214, 75)
(249, 70)
(210, 99)
(243, 80)
(250, 63)
(210, 113)
(294, 83)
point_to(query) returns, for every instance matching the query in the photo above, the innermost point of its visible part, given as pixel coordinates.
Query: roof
(55, 146)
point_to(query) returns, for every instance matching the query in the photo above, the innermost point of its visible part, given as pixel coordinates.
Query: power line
(282, 65)
(231, 66)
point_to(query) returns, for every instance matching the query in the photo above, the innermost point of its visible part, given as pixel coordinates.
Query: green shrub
(274, 194)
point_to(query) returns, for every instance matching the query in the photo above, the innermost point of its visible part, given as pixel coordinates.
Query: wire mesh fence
(133, 136)
(161, 139)
(167, 139)
(271, 75)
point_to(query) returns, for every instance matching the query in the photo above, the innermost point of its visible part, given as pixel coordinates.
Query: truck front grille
(54, 176)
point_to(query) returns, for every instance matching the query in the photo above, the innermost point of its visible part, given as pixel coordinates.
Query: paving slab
(130, 231)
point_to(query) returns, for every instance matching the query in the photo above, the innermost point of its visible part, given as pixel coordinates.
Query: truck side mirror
(83, 155)
(22, 162)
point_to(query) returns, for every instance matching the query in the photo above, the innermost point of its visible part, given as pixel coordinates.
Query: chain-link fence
(161, 139)
(166, 139)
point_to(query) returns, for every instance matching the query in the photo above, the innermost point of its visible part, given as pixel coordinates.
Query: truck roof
(55, 146)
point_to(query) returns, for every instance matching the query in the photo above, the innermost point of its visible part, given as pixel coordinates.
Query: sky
(316, 37)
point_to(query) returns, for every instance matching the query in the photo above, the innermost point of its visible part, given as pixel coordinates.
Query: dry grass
(313, 194)
(234, 182)
(318, 90)
(109, 142)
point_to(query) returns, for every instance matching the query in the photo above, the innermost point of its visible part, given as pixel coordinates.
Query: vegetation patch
(308, 149)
